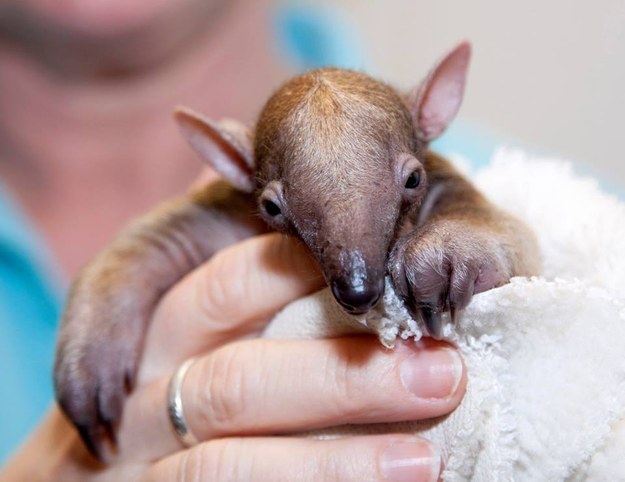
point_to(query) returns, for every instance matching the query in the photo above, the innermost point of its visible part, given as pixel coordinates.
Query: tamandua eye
(271, 208)
(413, 180)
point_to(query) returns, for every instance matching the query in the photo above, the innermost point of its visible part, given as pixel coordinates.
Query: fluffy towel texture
(545, 356)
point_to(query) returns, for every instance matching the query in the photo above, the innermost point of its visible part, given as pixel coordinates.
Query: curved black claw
(433, 322)
(96, 415)
(91, 390)
(92, 439)
(453, 313)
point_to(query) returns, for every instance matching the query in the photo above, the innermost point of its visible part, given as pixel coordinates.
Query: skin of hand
(244, 395)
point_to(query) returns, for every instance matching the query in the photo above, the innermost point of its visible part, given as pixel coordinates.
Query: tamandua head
(335, 161)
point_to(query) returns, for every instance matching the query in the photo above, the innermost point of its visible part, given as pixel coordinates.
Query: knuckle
(187, 467)
(331, 468)
(179, 468)
(233, 393)
(221, 460)
(220, 289)
(338, 463)
(346, 384)
(212, 297)
(215, 460)
(222, 399)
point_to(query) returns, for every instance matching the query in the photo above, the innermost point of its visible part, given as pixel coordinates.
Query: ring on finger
(175, 408)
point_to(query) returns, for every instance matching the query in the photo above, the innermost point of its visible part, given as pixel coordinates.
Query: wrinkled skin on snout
(350, 240)
(349, 228)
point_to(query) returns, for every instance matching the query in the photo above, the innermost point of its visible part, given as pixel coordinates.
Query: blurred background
(547, 76)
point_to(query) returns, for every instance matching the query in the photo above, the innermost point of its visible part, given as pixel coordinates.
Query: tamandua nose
(358, 298)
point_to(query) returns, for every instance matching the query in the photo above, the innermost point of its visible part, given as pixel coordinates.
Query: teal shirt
(29, 310)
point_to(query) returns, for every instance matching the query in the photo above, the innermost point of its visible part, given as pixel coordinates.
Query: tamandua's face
(339, 170)
(334, 159)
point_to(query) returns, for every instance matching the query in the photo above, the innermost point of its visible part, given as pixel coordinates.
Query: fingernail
(410, 461)
(432, 372)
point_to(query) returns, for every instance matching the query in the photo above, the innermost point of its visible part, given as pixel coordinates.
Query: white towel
(545, 356)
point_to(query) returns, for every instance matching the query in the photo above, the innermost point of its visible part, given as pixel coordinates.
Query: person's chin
(109, 17)
(105, 37)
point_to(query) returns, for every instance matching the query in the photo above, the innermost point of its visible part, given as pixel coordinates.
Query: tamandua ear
(435, 102)
(225, 145)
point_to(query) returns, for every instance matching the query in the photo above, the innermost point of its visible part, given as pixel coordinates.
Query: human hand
(243, 391)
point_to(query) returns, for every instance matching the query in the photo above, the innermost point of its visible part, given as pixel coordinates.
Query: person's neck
(68, 145)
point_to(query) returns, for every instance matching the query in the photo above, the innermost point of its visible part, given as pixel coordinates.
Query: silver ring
(174, 405)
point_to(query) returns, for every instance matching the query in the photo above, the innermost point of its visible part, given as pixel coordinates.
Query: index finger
(227, 297)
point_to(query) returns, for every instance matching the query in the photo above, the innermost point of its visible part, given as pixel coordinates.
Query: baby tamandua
(337, 159)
